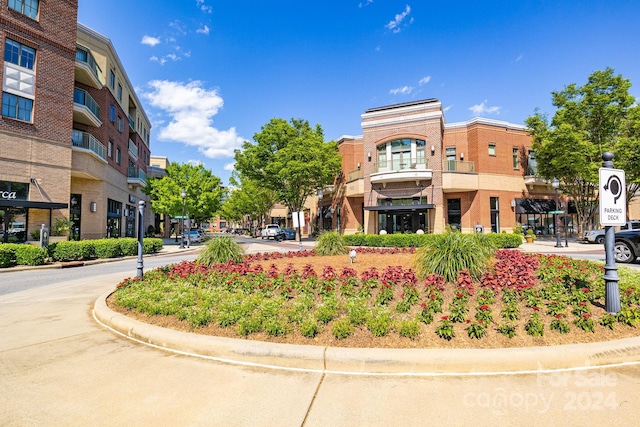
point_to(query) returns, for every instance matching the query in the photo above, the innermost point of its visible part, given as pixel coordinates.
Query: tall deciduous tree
(248, 200)
(203, 192)
(290, 158)
(591, 119)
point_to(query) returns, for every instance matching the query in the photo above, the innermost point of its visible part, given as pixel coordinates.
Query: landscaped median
(444, 296)
(12, 254)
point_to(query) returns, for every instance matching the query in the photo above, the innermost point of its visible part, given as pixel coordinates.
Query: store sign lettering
(7, 195)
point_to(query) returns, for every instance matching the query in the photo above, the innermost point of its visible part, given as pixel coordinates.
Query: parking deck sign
(613, 197)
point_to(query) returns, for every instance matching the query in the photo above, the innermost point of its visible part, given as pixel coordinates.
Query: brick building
(411, 171)
(74, 140)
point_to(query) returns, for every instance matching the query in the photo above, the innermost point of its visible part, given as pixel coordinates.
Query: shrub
(447, 254)
(7, 255)
(30, 255)
(128, 246)
(221, 250)
(106, 248)
(73, 251)
(330, 243)
(342, 328)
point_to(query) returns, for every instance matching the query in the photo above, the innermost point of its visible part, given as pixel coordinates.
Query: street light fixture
(183, 193)
(555, 184)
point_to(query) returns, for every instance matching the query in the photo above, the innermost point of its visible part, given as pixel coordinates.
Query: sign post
(298, 221)
(613, 211)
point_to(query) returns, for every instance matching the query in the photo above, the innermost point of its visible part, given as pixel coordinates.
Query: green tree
(248, 200)
(591, 119)
(203, 192)
(290, 158)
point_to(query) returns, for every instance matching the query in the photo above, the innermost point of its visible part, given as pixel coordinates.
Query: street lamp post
(319, 216)
(555, 184)
(183, 193)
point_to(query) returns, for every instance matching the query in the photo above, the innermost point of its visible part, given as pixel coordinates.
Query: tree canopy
(203, 192)
(290, 158)
(591, 119)
(247, 199)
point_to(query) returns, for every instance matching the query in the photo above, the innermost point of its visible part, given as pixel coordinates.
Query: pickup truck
(272, 231)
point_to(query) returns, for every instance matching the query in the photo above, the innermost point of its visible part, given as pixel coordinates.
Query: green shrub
(30, 255)
(128, 246)
(7, 255)
(498, 240)
(330, 243)
(151, 245)
(221, 250)
(342, 328)
(73, 251)
(107, 248)
(447, 254)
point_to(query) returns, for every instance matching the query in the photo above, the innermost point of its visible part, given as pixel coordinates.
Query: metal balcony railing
(355, 174)
(88, 142)
(84, 55)
(400, 165)
(459, 166)
(136, 172)
(82, 97)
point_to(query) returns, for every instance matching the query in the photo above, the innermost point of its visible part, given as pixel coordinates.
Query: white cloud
(229, 167)
(366, 3)
(195, 162)
(203, 7)
(482, 109)
(203, 30)
(424, 80)
(405, 90)
(150, 41)
(191, 108)
(395, 24)
(445, 109)
(519, 57)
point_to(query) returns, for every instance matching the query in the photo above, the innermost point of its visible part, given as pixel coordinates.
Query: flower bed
(300, 298)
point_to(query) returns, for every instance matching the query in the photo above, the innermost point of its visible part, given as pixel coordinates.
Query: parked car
(627, 246)
(289, 234)
(193, 237)
(597, 236)
(272, 231)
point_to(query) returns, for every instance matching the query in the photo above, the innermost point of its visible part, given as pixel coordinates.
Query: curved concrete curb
(373, 361)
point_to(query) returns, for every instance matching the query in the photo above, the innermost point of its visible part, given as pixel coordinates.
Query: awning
(32, 205)
(400, 207)
(540, 206)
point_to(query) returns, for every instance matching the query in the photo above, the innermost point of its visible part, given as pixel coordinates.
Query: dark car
(289, 234)
(627, 246)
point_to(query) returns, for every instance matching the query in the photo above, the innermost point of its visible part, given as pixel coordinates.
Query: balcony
(459, 176)
(89, 159)
(132, 124)
(83, 141)
(86, 69)
(401, 171)
(136, 177)
(133, 150)
(355, 184)
(85, 109)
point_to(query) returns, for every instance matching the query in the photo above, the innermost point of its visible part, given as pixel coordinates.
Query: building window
(114, 218)
(119, 92)
(110, 150)
(454, 213)
(492, 149)
(451, 158)
(532, 165)
(118, 156)
(112, 79)
(19, 54)
(120, 124)
(16, 107)
(112, 113)
(26, 7)
(516, 158)
(494, 205)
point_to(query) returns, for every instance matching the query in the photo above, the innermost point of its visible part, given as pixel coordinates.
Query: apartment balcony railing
(133, 150)
(87, 69)
(459, 166)
(400, 165)
(87, 141)
(132, 123)
(136, 176)
(411, 169)
(354, 175)
(82, 97)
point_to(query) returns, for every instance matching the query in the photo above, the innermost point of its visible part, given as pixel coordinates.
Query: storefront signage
(7, 195)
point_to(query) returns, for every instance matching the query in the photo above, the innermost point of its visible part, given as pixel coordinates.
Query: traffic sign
(613, 197)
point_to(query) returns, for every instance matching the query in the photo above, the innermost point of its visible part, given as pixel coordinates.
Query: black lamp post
(183, 193)
(555, 184)
(319, 217)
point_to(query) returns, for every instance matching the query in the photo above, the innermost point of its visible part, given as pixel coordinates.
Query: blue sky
(211, 73)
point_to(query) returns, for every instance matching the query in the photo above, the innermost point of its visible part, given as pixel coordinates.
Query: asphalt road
(58, 367)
